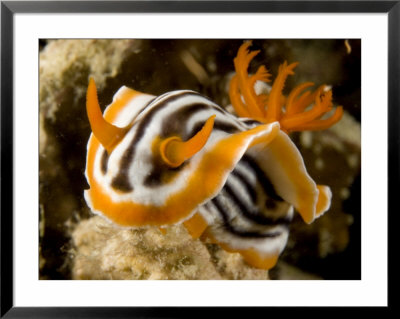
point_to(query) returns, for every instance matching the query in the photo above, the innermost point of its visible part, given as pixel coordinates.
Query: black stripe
(249, 188)
(253, 215)
(261, 177)
(250, 122)
(104, 156)
(175, 122)
(104, 162)
(236, 231)
(162, 173)
(144, 108)
(121, 181)
(219, 125)
(219, 108)
(227, 127)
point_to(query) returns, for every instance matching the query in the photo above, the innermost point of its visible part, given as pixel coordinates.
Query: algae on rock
(104, 251)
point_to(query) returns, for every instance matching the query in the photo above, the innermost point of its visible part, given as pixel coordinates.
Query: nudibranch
(231, 179)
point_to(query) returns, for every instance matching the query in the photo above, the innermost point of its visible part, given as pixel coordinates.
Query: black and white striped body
(133, 171)
(248, 213)
(244, 181)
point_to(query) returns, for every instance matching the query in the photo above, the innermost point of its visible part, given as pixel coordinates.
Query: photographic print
(200, 159)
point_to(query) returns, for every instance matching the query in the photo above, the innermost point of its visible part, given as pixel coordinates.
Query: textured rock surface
(103, 251)
(74, 244)
(65, 66)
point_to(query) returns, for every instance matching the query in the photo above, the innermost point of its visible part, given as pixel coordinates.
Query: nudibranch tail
(290, 112)
(108, 134)
(174, 151)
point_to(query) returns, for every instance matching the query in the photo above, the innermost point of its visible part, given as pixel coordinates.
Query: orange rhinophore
(108, 135)
(174, 151)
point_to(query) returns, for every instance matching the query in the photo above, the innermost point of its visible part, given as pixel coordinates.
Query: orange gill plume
(292, 112)
(106, 133)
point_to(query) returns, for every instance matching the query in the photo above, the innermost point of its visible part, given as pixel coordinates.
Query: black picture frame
(9, 8)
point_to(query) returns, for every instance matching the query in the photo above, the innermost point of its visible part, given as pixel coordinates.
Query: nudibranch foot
(196, 225)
